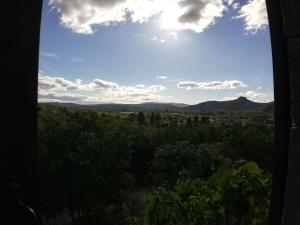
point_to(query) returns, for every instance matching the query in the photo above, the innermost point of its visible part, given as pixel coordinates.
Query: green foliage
(232, 196)
(169, 160)
(84, 165)
(252, 141)
(187, 204)
(192, 167)
(141, 118)
(242, 193)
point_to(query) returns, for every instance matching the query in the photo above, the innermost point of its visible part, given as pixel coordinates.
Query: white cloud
(59, 89)
(76, 60)
(134, 94)
(82, 16)
(153, 38)
(228, 98)
(229, 2)
(258, 96)
(50, 55)
(140, 86)
(165, 38)
(236, 5)
(59, 83)
(254, 14)
(253, 96)
(105, 84)
(212, 85)
(161, 77)
(65, 97)
(175, 36)
(78, 81)
(195, 15)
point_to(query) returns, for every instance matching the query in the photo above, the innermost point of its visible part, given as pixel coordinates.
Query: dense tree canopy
(101, 167)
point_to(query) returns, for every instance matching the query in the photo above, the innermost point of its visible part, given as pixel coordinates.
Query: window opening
(155, 112)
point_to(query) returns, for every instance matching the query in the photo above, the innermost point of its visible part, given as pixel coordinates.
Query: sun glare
(169, 17)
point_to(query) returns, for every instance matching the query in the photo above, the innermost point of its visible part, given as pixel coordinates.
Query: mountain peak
(242, 98)
(241, 103)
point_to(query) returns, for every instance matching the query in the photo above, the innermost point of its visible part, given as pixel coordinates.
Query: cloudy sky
(133, 51)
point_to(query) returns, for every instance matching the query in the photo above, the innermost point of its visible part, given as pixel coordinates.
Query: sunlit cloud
(212, 85)
(175, 36)
(154, 38)
(59, 83)
(195, 15)
(254, 14)
(253, 96)
(235, 5)
(64, 97)
(138, 93)
(229, 2)
(226, 98)
(81, 16)
(164, 37)
(258, 96)
(98, 91)
(161, 77)
(78, 81)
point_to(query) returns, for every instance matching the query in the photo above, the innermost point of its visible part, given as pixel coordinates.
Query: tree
(196, 120)
(233, 196)
(141, 118)
(98, 168)
(152, 118)
(205, 119)
(187, 203)
(188, 122)
(131, 117)
(169, 160)
(84, 164)
(157, 119)
(242, 193)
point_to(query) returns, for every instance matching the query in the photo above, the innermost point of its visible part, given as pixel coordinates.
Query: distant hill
(148, 106)
(241, 103)
(238, 104)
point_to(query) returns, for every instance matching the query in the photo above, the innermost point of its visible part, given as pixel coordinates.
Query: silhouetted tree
(131, 117)
(204, 119)
(157, 119)
(188, 122)
(196, 120)
(141, 118)
(95, 166)
(152, 118)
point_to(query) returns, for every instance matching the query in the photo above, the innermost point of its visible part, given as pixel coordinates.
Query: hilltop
(239, 104)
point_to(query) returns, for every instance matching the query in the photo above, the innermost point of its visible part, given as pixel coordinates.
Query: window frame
(20, 124)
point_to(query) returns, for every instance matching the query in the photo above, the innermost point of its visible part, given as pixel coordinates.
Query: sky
(134, 51)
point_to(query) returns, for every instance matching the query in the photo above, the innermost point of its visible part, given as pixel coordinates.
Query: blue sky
(132, 51)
